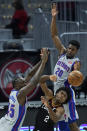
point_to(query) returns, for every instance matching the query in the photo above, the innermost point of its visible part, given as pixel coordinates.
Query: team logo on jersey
(70, 62)
(14, 67)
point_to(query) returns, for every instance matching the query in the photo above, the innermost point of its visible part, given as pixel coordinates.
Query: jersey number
(11, 110)
(46, 119)
(59, 72)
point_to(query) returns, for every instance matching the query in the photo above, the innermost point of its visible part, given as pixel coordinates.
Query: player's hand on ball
(53, 78)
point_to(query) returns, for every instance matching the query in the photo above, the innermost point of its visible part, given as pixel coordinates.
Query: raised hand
(44, 54)
(53, 78)
(54, 11)
(44, 101)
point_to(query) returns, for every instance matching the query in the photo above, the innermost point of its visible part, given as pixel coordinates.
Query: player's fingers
(54, 5)
(53, 77)
(42, 97)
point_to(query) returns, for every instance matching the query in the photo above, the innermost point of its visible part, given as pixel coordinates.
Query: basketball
(75, 78)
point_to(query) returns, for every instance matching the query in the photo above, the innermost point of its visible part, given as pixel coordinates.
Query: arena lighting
(30, 128)
(83, 127)
(24, 129)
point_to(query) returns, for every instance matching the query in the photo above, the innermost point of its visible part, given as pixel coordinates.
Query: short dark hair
(18, 4)
(75, 43)
(68, 91)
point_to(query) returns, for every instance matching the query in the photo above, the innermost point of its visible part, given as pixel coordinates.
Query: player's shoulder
(76, 59)
(60, 109)
(14, 92)
(62, 55)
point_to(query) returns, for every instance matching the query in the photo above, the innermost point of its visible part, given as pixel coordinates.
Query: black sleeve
(13, 24)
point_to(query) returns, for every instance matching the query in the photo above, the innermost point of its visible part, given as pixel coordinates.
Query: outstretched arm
(54, 34)
(55, 116)
(23, 92)
(48, 92)
(33, 71)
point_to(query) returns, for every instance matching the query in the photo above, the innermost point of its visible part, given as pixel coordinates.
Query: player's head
(63, 95)
(72, 48)
(18, 82)
(17, 4)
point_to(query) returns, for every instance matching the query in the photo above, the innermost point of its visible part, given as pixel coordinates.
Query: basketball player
(13, 120)
(65, 64)
(52, 108)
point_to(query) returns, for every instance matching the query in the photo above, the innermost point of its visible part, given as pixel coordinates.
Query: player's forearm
(44, 78)
(48, 93)
(52, 115)
(37, 75)
(33, 71)
(44, 87)
(73, 127)
(55, 37)
(33, 82)
(53, 27)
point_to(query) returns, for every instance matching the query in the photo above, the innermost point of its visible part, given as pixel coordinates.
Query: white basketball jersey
(16, 112)
(62, 68)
